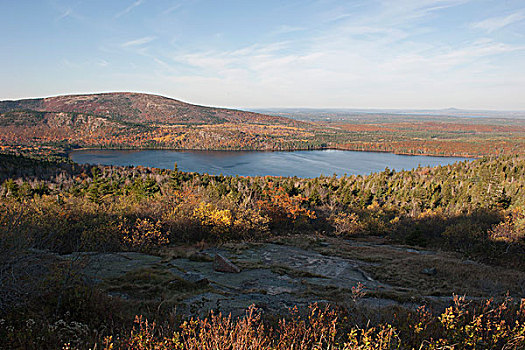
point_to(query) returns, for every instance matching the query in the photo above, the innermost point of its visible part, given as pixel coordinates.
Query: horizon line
(273, 108)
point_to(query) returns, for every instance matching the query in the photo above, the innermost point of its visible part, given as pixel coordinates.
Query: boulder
(222, 264)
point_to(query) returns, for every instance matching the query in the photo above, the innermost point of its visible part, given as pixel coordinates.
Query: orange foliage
(279, 204)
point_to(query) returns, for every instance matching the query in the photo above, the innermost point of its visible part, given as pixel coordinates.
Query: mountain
(140, 108)
(135, 120)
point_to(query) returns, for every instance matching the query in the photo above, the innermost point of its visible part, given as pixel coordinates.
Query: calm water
(299, 163)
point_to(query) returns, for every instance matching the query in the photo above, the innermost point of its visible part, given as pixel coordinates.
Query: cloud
(367, 62)
(436, 61)
(492, 24)
(139, 41)
(401, 11)
(69, 63)
(171, 9)
(64, 14)
(384, 54)
(397, 11)
(129, 8)
(85, 63)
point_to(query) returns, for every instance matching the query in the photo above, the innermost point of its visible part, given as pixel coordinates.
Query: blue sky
(318, 53)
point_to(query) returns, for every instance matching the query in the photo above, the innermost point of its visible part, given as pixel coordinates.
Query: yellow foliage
(250, 221)
(430, 213)
(209, 215)
(345, 223)
(374, 206)
(144, 235)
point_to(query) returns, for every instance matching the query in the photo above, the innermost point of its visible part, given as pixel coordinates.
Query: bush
(143, 235)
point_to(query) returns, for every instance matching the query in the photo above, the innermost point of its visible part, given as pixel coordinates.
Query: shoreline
(68, 152)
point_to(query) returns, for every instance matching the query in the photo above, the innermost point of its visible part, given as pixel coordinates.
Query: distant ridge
(313, 113)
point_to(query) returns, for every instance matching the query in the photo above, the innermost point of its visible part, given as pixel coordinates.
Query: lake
(253, 163)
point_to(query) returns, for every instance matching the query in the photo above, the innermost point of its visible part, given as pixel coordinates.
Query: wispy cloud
(492, 24)
(69, 63)
(139, 41)
(85, 63)
(129, 8)
(356, 59)
(403, 11)
(103, 63)
(441, 60)
(64, 14)
(171, 9)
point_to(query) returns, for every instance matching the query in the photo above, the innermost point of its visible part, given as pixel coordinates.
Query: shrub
(218, 221)
(143, 235)
(511, 229)
(283, 208)
(345, 223)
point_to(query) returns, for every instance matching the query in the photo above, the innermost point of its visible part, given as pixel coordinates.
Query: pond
(304, 164)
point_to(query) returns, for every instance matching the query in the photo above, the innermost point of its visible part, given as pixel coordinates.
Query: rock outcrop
(222, 264)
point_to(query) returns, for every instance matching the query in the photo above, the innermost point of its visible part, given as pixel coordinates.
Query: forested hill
(134, 120)
(140, 108)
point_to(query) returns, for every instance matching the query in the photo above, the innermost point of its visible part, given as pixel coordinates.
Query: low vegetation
(464, 325)
(475, 208)
(461, 326)
(52, 207)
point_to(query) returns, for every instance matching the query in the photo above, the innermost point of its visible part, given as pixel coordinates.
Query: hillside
(141, 108)
(134, 120)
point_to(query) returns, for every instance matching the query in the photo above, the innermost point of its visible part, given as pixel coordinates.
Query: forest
(51, 207)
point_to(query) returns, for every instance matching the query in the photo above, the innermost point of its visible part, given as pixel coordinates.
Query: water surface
(252, 163)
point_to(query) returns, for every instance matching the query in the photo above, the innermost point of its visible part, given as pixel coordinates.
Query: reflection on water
(247, 163)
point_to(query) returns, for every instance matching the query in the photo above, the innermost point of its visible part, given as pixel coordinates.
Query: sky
(262, 54)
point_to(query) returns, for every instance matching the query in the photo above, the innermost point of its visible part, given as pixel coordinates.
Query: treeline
(451, 148)
(475, 207)
(443, 136)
